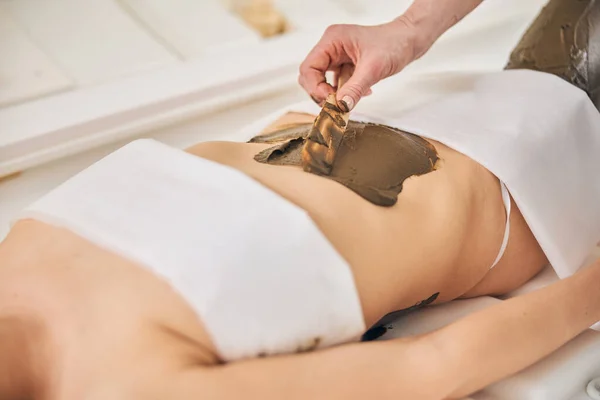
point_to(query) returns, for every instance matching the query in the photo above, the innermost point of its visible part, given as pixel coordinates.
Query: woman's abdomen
(403, 254)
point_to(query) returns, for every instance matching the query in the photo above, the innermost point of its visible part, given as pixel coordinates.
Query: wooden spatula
(320, 148)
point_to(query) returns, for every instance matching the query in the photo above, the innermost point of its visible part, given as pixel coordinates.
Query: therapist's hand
(373, 52)
(376, 52)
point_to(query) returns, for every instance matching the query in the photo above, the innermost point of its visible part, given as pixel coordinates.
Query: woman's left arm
(499, 341)
(451, 362)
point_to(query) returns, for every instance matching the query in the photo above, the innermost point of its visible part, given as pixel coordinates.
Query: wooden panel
(315, 14)
(189, 27)
(88, 117)
(92, 40)
(25, 71)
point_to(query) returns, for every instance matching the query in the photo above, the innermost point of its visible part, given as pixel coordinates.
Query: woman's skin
(78, 322)
(450, 363)
(454, 215)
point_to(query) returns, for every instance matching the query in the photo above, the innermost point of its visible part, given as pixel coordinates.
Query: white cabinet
(93, 41)
(190, 27)
(25, 71)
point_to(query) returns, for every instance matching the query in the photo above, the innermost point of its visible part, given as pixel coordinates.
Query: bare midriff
(441, 236)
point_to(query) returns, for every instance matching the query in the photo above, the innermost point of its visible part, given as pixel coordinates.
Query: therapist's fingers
(366, 74)
(312, 75)
(375, 52)
(316, 86)
(328, 55)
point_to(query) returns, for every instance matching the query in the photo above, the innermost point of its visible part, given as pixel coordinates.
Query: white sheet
(561, 376)
(216, 236)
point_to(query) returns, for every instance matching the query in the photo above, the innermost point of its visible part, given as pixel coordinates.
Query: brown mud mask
(564, 40)
(372, 160)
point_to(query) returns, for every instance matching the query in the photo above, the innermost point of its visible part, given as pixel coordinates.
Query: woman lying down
(227, 272)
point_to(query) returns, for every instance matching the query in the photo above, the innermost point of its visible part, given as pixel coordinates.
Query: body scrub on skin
(564, 41)
(373, 160)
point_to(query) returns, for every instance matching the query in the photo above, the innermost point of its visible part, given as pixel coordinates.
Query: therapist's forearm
(431, 18)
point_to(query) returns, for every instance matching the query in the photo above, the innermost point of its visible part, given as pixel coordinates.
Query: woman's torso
(443, 234)
(120, 323)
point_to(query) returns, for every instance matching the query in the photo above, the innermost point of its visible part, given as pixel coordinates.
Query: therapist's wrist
(417, 31)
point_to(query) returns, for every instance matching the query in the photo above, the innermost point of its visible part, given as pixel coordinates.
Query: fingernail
(315, 100)
(346, 104)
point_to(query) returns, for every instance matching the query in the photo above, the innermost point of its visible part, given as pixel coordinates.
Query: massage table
(56, 124)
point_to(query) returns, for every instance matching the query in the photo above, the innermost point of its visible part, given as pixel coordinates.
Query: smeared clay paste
(564, 40)
(373, 160)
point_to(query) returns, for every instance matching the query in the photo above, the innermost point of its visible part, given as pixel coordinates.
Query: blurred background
(80, 78)
(57, 45)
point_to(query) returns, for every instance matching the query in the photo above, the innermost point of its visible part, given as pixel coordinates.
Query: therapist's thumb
(357, 86)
